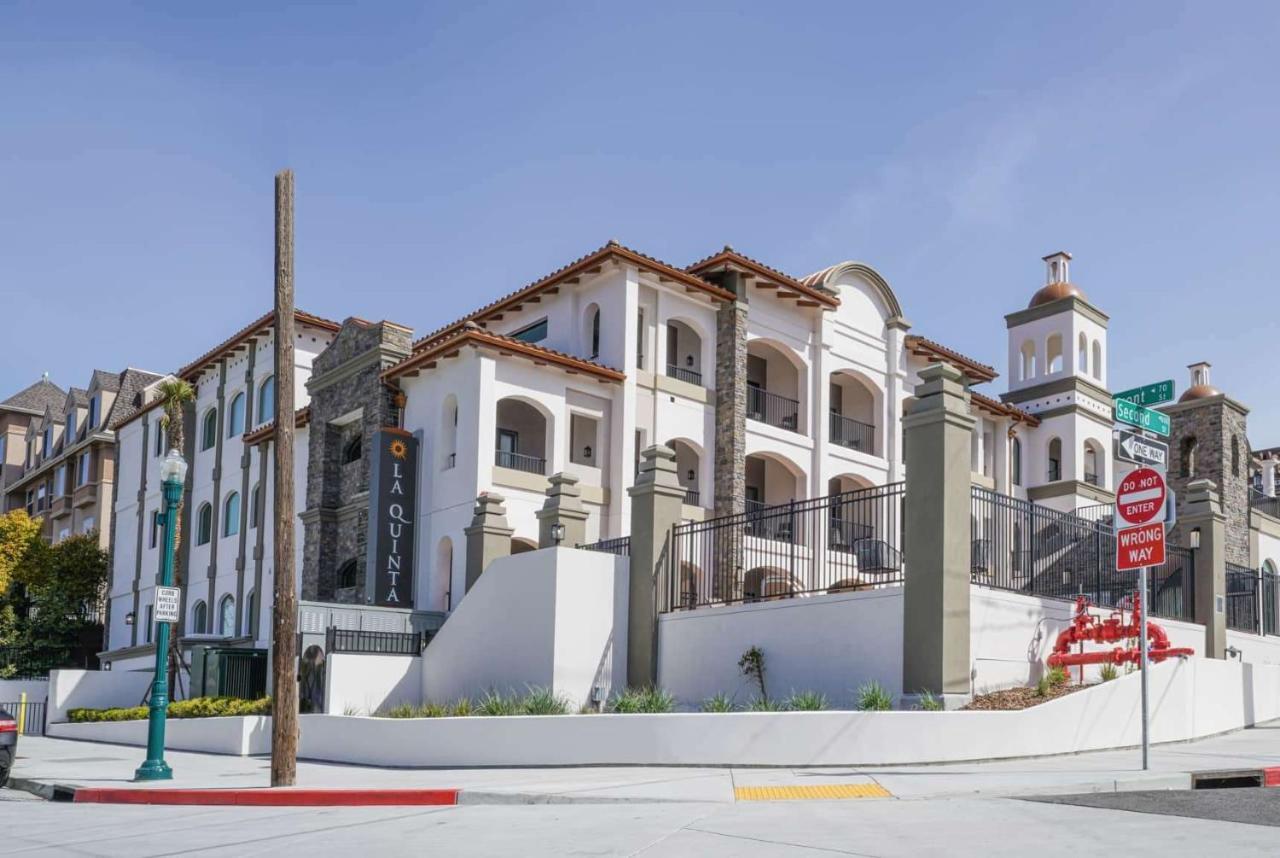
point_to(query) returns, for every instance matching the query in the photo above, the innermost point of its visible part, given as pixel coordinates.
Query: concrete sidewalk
(47, 762)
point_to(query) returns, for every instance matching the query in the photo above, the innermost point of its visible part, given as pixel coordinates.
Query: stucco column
(1202, 511)
(488, 535)
(656, 499)
(935, 649)
(890, 445)
(562, 506)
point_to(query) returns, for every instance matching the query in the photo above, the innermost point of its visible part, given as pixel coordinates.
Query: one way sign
(1136, 448)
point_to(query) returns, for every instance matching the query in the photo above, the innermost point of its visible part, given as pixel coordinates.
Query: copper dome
(1055, 292)
(1199, 391)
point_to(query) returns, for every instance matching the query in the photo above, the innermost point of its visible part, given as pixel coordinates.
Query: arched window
(204, 524)
(1053, 354)
(200, 618)
(231, 515)
(1015, 466)
(1092, 464)
(1187, 456)
(351, 450)
(1027, 363)
(348, 575)
(209, 429)
(1082, 355)
(267, 400)
(235, 417)
(595, 333)
(250, 608)
(255, 507)
(227, 615)
(1055, 460)
(1097, 359)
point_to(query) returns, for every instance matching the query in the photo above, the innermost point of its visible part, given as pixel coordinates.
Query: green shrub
(642, 700)
(929, 703)
(1108, 672)
(496, 703)
(718, 703)
(806, 701)
(462, 707)
(1058, 676)
(199, 707)
(873, 698)
(752, 666)
(543, 701)
(764, 704)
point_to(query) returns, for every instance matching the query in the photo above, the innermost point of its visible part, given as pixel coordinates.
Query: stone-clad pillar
(1202, 512)
(731, 402)
(488, 535)
(562, 506)
(936, 549)
(656, 501)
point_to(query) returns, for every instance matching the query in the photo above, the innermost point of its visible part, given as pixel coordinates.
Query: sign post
(1140, 503)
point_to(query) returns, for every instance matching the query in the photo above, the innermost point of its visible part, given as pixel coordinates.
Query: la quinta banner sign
(393, 506)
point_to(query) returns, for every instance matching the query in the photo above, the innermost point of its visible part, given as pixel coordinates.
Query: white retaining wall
(1255, 649)
(237, 736)
(368, 684)
(826, 643)
(94, 689)
(543, 618)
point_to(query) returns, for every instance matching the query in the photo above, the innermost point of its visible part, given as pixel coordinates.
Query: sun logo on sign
(398, 449)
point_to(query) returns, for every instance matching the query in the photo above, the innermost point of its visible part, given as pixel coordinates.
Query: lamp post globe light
(173, 475)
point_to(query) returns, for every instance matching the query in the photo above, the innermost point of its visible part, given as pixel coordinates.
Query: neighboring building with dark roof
(17, 413)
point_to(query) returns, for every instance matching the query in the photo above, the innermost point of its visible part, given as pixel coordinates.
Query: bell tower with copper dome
(1057, 370)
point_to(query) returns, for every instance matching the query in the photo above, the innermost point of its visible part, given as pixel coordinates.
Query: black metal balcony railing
(1243, 606)
(619, 546)
(521, 462)
(773, 409)
(683, 374)
(1092, 479)
(1264, 504)
(1055, 472)
(692, 497)
(854, 434)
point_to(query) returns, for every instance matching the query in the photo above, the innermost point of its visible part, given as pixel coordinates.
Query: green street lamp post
(173, 474)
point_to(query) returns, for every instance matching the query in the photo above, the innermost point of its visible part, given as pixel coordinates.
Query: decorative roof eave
(996, 408)
(767, 278)
(572, 273)
(237, 340)
(935, 352)
(473, 335)
(267, 431)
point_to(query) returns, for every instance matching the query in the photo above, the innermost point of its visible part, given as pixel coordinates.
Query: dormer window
(535, 333)
(47, 445)
(93, 412)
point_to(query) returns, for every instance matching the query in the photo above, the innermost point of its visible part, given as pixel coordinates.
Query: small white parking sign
(168, 600)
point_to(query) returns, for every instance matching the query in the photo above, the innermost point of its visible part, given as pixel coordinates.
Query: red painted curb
(1271, 776)
(266, 797)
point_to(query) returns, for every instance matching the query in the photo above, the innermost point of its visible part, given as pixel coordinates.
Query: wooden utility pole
(284, 641)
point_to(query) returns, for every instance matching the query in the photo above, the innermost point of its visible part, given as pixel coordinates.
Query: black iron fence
(619, 545)
(368, 642)
(1264, 504)
(841, 542)
(773, 409)
(1243, 586)
(520, 462)
(28, 715)
(243, 673)
(1027, 548)
(854, 434)
(1270, 591)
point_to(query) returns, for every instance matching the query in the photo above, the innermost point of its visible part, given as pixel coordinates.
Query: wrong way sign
(1140, 497)
(1140, 546)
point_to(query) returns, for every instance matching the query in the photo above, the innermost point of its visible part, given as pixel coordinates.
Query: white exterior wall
(370, 684)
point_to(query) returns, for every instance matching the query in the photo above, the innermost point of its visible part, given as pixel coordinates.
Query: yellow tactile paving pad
(811, 792)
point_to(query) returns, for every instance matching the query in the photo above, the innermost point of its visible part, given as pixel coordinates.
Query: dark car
(8, 744)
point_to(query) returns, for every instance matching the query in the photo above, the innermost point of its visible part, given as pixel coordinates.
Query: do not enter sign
(1140, 497)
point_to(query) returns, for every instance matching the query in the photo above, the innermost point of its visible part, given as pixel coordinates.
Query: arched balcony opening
(688, 470)
(772, 484)
(1055, 460)
(1054, 359)
(1027, 361)
(684, 352)
(522, 435)
(1097, 359)
(855, 407)
(1082, 355)
(1093, 463)
(775, 380)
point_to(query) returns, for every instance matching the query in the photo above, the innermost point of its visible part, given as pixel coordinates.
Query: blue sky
(446, 154)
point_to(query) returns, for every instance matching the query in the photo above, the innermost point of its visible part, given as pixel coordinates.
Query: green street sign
(1143, 418)
(1148, 394)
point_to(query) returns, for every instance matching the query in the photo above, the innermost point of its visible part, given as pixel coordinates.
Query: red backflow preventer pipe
(1089, 628)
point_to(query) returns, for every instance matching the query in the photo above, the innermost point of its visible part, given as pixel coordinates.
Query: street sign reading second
(1148, 394)
(1140, 546)
(1140, 497)
(1143, 418)
(1133, 447)
(168, 604)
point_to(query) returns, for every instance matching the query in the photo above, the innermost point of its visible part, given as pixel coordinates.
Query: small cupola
(1201, 387)
(1057, 282)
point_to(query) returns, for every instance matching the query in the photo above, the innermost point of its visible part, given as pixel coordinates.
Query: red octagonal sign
(1140, 498)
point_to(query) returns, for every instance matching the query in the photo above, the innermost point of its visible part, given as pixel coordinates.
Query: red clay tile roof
(613, 249)
(303, 318)
(730, 257)
(1003, 409)
(266, 431)
(937, 352)
(447, 346)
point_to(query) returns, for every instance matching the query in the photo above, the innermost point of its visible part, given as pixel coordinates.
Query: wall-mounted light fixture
(128, 618)
(586, 451)
(691, 475)
(1194, 540)
(557, 533)
(688, 360)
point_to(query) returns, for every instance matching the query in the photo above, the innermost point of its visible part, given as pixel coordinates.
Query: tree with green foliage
(175, 394)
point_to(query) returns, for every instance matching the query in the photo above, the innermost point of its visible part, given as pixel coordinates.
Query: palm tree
(174, 395)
